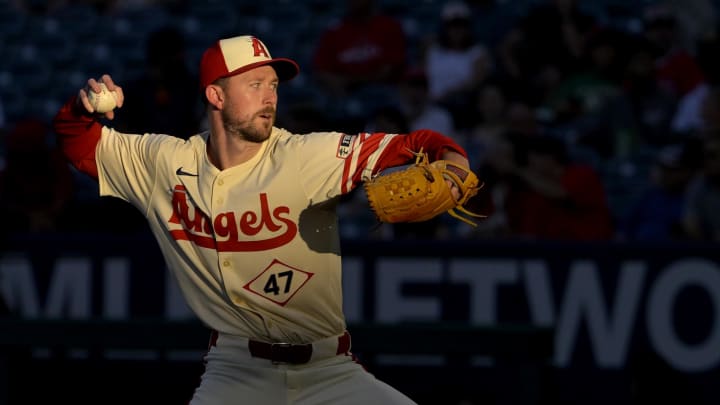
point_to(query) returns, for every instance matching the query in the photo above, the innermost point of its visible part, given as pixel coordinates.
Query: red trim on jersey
(398, 151)
(369, 144)
(78, 135)
(346, 172)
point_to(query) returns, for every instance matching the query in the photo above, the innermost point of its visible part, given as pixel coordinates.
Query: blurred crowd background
(587, 120)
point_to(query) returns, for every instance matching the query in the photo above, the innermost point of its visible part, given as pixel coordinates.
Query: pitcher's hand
(94, 85)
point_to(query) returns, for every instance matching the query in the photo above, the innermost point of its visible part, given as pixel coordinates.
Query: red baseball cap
(232, 56)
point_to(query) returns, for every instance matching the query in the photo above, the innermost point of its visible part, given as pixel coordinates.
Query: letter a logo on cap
(232, 56)
(259, 48)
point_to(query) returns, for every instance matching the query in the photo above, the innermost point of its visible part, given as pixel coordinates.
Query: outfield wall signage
(603, 301)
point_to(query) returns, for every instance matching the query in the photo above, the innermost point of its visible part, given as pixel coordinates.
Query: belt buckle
(276, 350)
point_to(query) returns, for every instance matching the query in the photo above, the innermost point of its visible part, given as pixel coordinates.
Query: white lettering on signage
(695, 357)
(116, 278)
(391, 304)
(608, 307)
(583, 301)
(539, 292)
(18, 286)
(484, 278)
(68, 293)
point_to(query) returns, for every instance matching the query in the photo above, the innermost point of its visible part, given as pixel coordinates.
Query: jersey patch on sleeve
(345, 146)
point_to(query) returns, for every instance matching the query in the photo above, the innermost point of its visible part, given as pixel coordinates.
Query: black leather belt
(286, 352)
(281, 352)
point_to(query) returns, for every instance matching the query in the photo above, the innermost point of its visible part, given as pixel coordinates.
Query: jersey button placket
(219, 200)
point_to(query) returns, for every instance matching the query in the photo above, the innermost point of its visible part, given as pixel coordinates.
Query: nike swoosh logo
(181, 172)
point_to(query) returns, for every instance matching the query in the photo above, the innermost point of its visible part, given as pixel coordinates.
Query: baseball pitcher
(244, 214)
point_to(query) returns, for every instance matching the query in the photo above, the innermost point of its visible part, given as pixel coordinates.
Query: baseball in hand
(104, 101)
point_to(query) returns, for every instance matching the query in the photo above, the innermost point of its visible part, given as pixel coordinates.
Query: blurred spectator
(657, 213)
(710, 112)
(366, 47)
(490, 122)
(420, 111)
(701, 219)
(544, 46)
(687, 118)
(36, 183)
(651, 104)
(456, 62)
(564, 200)
(521, 118)
(675, 66)
(696, 21)
(503, 189)
(165, 96)
(578, 106)
(615, 106)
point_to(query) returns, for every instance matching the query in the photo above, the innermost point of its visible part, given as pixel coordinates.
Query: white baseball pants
(234, 377)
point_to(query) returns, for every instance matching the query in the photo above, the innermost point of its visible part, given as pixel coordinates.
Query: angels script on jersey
(230, 231)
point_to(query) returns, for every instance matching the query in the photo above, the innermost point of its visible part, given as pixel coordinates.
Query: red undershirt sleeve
(78, 135)
(398, 151)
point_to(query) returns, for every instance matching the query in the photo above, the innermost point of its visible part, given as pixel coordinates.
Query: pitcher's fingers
(93, 85)
(454, 190)
(109, 82)
(119, 96)
(83, 98)
(112, 86)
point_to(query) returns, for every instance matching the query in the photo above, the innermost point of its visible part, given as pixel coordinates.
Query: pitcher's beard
(246, 129)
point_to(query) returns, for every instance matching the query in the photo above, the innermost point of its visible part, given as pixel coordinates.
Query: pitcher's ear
(215, 96)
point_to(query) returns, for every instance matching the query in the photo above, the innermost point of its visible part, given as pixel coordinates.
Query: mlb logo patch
(345, 146)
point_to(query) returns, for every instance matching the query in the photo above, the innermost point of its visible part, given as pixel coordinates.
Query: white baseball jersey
(255, 248)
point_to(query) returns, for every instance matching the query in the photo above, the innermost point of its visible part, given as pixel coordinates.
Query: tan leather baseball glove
(421, 192)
